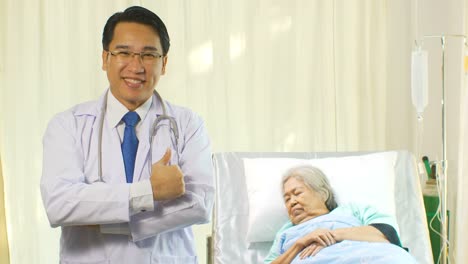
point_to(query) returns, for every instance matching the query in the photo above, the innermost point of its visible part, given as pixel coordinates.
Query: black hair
(139, 15)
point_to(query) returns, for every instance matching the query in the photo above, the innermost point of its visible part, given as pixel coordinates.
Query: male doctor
(121, 190)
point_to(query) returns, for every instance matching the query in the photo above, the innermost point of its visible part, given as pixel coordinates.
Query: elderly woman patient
(319, 231)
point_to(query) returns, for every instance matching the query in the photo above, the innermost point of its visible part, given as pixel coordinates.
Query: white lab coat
(76, 200)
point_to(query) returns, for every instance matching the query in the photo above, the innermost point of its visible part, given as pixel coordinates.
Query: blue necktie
(130, 144)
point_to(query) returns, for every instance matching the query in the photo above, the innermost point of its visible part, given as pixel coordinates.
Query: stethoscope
(173, 126)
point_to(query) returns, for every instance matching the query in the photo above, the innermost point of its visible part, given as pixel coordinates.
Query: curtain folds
(4, 252)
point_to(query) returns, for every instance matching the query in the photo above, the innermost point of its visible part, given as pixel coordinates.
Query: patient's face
(302, 202)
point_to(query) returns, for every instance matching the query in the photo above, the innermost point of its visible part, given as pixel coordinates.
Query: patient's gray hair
(315, 179)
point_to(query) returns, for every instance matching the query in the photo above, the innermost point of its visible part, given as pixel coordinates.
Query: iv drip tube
(443, 178)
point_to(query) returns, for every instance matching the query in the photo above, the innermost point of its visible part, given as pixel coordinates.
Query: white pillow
(365, 179)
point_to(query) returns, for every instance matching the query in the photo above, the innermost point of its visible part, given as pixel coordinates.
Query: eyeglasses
(146, 57)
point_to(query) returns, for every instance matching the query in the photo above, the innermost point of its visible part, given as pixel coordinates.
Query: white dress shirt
(141, 193)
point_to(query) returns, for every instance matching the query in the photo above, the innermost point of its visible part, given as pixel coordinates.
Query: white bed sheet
(230, 215)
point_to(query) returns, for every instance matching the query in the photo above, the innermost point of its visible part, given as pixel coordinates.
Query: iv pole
(443, 180)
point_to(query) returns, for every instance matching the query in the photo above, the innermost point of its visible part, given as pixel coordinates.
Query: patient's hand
(311, 250)
(315, 241)
(307, 245)
(321, 237)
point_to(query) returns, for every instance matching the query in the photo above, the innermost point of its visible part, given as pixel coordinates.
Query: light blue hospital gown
(346, 251)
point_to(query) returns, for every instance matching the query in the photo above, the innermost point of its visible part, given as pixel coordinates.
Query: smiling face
(132, 82)
(302, 202)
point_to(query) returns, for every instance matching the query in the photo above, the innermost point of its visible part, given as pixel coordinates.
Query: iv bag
(419, 80)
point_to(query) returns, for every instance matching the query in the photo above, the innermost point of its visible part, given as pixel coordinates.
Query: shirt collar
(116, 110)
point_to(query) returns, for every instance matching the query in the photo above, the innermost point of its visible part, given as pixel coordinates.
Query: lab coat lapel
(141, 166)
(142, 153)
(112, 161)
(113, 166)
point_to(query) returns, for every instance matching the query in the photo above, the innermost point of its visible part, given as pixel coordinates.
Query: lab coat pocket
(174, 260)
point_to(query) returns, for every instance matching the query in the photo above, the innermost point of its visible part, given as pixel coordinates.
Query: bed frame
(230, 214)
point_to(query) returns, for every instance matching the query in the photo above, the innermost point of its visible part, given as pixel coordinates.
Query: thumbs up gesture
(167, 181)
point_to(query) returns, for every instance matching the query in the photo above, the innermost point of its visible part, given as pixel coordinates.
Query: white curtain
(462, 201)
(283, 75)
(265, 75)
(4, 249)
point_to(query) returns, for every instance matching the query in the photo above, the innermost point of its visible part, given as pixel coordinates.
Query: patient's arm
(312, 243)
(289, 255)
(359, 233)
(320, 236)
(309, 244)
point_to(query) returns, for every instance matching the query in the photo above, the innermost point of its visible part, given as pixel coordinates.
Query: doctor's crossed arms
(126, 176)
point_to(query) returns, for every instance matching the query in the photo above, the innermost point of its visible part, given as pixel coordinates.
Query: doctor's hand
(167, 181)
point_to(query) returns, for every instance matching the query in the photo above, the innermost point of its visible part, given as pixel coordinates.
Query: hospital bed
(232, 240)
